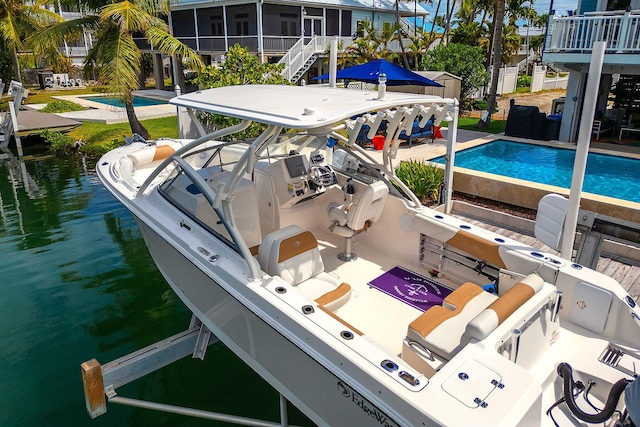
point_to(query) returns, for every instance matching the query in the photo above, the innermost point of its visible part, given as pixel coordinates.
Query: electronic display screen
(297, 166)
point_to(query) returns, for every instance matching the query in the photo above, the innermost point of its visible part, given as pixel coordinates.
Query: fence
(540, 81)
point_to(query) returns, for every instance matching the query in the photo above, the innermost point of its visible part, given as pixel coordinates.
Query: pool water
(138, 101)
(606, 175)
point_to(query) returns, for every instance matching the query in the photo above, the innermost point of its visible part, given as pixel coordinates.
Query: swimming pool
(138, 101)
(606, 175)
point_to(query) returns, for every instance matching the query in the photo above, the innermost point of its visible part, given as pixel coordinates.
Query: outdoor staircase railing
(526, 61)
(302, 55)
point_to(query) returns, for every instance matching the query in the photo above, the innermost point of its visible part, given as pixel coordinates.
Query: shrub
(524, 81)
(424, 180)
(58, 142)
(481, 104)
(61, 106)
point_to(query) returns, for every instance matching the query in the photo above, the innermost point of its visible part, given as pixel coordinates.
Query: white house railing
(620, 30)
(300, 53)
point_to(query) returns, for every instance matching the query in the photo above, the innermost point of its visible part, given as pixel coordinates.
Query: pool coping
(108, 114)
(528, 193)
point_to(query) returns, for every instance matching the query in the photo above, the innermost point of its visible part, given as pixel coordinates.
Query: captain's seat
(293, 254)
(362, 207)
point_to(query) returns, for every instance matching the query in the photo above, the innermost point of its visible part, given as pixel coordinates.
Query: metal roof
(385, 5)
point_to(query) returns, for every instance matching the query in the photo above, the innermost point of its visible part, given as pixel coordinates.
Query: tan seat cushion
(488, 320)
(440, 328)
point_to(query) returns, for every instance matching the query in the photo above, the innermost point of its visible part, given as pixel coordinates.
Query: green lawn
(100, 138)
(40, 96)
(469, 123)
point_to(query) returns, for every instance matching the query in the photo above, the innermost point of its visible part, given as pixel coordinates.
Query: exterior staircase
(303, 55)
(532, 58)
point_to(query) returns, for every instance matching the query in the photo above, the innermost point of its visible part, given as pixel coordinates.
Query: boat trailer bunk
(101, 381)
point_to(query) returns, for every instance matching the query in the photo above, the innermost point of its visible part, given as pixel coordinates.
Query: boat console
(293, 179)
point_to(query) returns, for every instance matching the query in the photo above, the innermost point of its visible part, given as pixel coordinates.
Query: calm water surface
(78, 283)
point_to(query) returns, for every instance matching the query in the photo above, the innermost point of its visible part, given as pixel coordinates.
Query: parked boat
(320, 269)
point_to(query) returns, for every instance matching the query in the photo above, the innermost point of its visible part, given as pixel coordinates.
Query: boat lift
(31, 122)
(9, 125)
(101, 381)
(593, 228)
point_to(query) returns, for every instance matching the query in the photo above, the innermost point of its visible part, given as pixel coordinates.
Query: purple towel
(411, 288)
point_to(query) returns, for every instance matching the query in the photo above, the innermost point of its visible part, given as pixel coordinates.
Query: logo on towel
(411, 288)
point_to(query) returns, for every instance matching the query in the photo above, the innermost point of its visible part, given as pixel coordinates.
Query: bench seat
(440, 328)
(468, 312)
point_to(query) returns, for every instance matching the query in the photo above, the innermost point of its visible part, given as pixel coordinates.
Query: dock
(30, 122)
(33, 122)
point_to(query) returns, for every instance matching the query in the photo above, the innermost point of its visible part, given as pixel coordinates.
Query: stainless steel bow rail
(101, 381)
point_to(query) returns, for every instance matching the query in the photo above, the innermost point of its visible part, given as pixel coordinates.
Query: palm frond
(9, 30)
(55, 35)
(119, 61)
(129, 17)
(154, 7)
(168, 44)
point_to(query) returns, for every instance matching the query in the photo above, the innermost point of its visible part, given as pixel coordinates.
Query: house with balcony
(569, 44)
(78, 49)
(296, 33)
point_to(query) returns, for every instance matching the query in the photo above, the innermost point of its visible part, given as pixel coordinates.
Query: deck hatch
(472, 383)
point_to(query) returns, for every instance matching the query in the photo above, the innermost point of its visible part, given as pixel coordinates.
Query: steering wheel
(322, 176)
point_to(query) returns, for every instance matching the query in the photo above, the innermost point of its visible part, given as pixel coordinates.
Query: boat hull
(321, 395)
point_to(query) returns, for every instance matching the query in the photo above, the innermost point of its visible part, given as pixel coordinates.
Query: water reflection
(78, 283)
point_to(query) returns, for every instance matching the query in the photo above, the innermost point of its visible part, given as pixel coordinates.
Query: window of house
(332, 22)
(210, 21)
(183, 23)
(289, 24)
(346, 23)
(242, 20)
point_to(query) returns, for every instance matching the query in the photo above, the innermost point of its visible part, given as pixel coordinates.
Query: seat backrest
(440, 328)
(292, 254)
(491, 317)
(368, 204)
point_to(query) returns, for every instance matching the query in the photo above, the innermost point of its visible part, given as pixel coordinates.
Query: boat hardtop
(309, 258)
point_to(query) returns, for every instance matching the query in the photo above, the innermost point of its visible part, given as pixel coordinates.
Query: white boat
(324, 273)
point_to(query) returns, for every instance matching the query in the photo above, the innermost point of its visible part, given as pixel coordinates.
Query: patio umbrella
(370, 72)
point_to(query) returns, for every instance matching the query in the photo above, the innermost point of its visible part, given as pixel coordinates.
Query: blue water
(605, 175)
(78, 283)
(138, 101)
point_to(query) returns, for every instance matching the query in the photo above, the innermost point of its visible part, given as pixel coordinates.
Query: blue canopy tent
(370, 73)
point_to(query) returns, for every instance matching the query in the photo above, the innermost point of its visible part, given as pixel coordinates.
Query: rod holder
(555, 310)
(515, 344)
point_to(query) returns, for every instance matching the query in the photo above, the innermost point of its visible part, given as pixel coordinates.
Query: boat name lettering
(366, 406)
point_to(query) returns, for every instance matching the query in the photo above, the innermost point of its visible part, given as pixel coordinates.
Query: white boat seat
(469, 312)
(357, 214)
(440, 329)
(293, 254)
(125, 168)
(491, 317)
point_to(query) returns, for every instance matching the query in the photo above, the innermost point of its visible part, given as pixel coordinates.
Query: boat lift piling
(9, 125)
(101, 381)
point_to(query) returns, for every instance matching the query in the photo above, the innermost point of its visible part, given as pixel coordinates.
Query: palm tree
(498, 19)
(419, 45)
(115, 55)
(368, 46)
(516, 10)
(18, 19)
